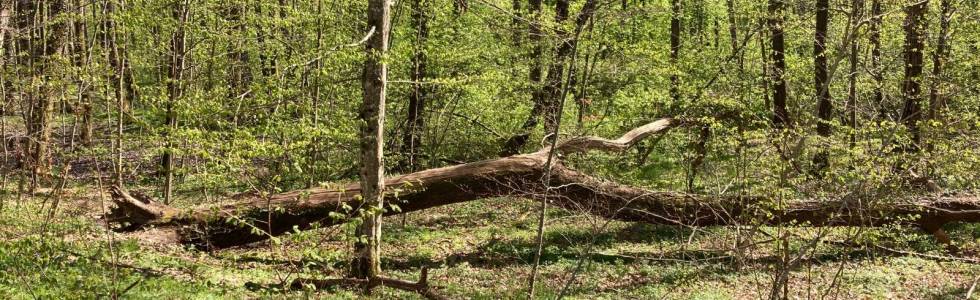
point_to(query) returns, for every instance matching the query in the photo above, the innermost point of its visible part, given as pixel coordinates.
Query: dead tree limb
(248, 220)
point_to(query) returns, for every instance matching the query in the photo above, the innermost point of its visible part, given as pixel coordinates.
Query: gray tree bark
(372, 183)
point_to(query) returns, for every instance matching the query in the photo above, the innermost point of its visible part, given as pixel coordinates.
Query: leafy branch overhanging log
(258, 218)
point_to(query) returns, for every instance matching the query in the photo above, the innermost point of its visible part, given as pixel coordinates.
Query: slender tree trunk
(374, 82)
(514, 144)
(6, 10)
(178, 51)
(42, 33)
(915, 29)
(875, 41)
(268, 65)
(582, 97)
(412, 138)
(700, 152)
(553, 80)
(460, 7)
(821, 84)
(733, 31)
(675, 48)
(122, 78)
(241, 72)
(857, 13)
(568, 41)
(780, 114)
(763, 56)
(546, 97)
(115, 57)
(80, 58)
(315, 99)
(515, 22)
(937, 101)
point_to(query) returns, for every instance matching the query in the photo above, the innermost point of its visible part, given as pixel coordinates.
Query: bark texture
(374, 80)
(41, 35)
(821, 83)
(675, 47)
(937, 101)
(915, 29)
(875, 41)
(415, 119)
(175, 90)
(857, 13)
(780, 117)
(254, 219)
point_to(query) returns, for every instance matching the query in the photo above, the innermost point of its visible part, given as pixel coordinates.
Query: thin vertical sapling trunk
(821, 160)
(937, 101)
(875, 40)
(178, 52)
(415, 119)
(857, 12)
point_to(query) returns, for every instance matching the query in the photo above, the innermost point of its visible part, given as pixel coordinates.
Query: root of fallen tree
(258, 218)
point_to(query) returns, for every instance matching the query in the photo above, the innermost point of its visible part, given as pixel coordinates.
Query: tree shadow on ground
(564, 245)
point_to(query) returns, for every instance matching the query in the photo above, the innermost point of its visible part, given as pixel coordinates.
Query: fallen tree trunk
(258, 218)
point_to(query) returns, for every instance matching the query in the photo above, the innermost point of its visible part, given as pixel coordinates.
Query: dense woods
(489, 149)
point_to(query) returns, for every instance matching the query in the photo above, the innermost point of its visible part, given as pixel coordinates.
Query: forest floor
(478, 250)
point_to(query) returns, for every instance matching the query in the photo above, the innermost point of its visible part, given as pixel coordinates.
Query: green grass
(477, 250)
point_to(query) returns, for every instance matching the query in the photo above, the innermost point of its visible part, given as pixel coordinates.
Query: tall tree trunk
(857, 13)
(821, 84)
(780, 114)
(6, 10)
(118, 59)
(80, 59)
(415, 121)
(552, 89)
(178, 52)
(546, 97)
(42, 33)
(460, 7)
(764, 57)
(123, 92)
(514, 144)
(733, 31)
(374, 82)
(315, 101)
(875, 41)
(700, 152)
(568, 41)
(675, 48)
(241, 72)
(515, 22)
(937, 101)
(915, 29)
(268, 65)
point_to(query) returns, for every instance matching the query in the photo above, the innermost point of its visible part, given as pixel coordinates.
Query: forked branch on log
(257, 218)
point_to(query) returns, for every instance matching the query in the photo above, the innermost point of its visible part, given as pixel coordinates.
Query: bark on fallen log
(257, 218)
